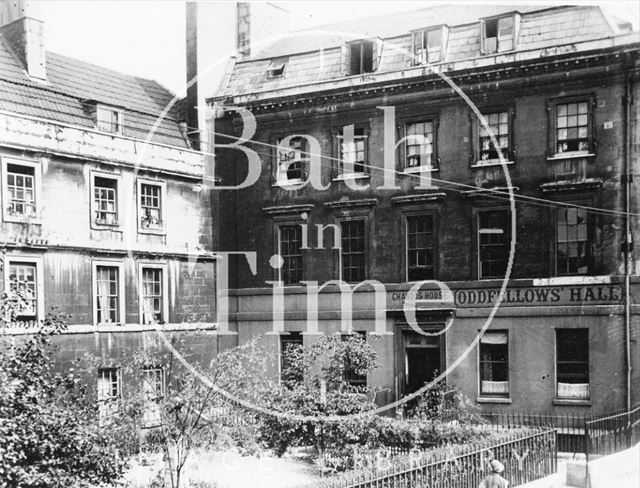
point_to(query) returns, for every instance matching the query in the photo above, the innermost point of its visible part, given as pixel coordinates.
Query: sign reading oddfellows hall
(554, 86)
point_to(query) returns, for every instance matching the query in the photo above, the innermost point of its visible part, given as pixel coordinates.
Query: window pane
(353, 251)
(420, 245)
(572, 362)
(152, 296)
(494, 240)
(419, 145)
(107, 294)
(572, 235)
(494, 364)
(150, 205)
(23, 285)
(572, 127)
(291, 253)
(498, 126)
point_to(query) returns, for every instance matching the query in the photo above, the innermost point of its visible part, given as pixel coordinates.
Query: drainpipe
(627, 231)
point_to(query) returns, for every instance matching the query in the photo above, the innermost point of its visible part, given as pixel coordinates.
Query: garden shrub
(49, 433)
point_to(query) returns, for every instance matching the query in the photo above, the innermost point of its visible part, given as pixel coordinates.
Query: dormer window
(428, 45)
(276, 68)
(109, 119)
(498, 34)
(361, 57)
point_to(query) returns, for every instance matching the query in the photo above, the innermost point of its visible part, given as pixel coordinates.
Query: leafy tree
(315, 384)
(49, 434)
(193, 410)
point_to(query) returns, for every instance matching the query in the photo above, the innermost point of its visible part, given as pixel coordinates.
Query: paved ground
(230, 470)
(556, 480)
(234, 471)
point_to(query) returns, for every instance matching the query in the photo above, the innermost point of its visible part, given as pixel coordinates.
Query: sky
(147, 37)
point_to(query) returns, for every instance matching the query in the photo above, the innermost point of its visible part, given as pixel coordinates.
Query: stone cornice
(288, 209)
(420, 198)
(349, 204)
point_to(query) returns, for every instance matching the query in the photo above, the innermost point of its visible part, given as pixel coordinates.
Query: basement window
(276, 68)
(109, 392)
(497, 35)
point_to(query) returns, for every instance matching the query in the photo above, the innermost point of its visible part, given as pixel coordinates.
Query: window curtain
(494, 338)
(103, 301)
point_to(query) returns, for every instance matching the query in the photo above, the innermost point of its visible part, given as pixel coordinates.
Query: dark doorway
(422, 360)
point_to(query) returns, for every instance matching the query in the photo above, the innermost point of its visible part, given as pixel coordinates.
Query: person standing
(494, 479)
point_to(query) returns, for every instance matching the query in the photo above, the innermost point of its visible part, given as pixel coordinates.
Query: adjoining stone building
(558, 87)
(105, 214)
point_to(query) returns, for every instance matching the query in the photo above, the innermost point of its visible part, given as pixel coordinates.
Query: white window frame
(303, 160)
(151, 410)
(515, 19)
(165, 289)
(277, 68)
(37, 187)
(497, 398)
(162, 229)
(420, 36)
(106, 409)
(121, 290)
(38, 262)
(116, 110)
(109, 176)
(339, 137)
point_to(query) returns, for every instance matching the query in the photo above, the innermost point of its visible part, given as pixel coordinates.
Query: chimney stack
(22, 26)
(257, 21)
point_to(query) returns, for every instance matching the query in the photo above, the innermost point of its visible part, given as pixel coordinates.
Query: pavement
(556, 480)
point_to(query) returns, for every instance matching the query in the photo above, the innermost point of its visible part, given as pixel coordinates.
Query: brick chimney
(22, 27)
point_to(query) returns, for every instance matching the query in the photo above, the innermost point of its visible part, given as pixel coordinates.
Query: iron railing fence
(570, 426)
(612, 433)
(526, 459)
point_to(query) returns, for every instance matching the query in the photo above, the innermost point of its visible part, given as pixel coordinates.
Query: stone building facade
(384, 115)
(105, 211)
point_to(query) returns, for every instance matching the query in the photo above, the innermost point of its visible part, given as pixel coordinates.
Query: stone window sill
(570, 155)
(420, 169)
(572, 402)
(489, 163)
(351, 176)
(501, 400)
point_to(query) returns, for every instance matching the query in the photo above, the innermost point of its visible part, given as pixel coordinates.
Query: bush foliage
(49, 434)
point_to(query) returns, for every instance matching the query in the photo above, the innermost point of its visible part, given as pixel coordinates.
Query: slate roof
(72, 84)
(397, 24)
(314, 57)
